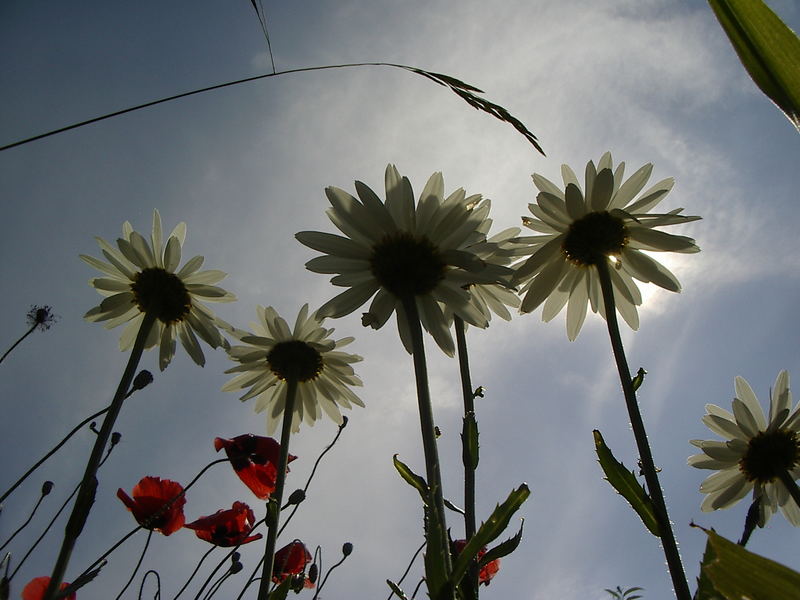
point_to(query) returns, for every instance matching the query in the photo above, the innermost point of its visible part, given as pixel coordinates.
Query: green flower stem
(469, 472)
(648, 466)
(432, 466)
(791, 485)
(83, 504)
(277, 496)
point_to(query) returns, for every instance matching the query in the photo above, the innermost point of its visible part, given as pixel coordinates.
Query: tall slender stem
(277, 496)
(469, 470)
(83, 504)
(432, 467)
(669, 545)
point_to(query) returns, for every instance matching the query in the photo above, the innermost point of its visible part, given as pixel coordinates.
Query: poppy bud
(296, 497)
(236, 567)
(347, 548)
(235, 557)
(47, 487)
(142, 380)
(313, 572)
(115, 438)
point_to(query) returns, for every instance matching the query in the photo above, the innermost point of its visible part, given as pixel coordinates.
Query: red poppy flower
(38, 586)
(255, 460)
(227, 527)
(151, 504)
(291, 560)
(488, 570)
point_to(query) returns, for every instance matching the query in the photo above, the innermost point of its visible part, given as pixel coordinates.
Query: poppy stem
(432, 465)
(138, 564)
(470, 461)
(667, 536)
(88, 486)
(790, 484)
(273, 521)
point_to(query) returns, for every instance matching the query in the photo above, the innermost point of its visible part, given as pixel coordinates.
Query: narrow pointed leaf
(626, 484)
(489, 530)
(768, 49)
(452, 506)
(396, 590)
(503, 549)
(412, 478)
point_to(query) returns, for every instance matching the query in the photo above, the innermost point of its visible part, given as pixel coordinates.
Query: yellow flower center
(594, 237)
(770, 453)
(160, 292)
(407, 266)
(294, 360)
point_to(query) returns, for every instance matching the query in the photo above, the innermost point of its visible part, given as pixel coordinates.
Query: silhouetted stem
(408, 569)
(19, 341)
(669, 545)
(53, 451)
(277, 495)
(432, 467)
(88, 487)
(196, 569)
(138, 564)
(25, 524)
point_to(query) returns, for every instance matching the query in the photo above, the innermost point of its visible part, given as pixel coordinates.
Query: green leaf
(638, 380)
(453, 507)
(503, 549)
(705, 587)
(280, 592)
(768, 49)
(469, 442)
(626, 484)
(396, 590)
(412, 478)
(737, 573)
(489, 530)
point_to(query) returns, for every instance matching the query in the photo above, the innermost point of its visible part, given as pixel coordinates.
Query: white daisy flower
(274, 354)
(396, 250)
(756, 451)
(603, 222)
(500, 250)
(141, 276)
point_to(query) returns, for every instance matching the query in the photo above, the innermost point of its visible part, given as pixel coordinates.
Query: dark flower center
(769, 453)
(295, 360)
(162, 293)
(593, 237)
(407, 266)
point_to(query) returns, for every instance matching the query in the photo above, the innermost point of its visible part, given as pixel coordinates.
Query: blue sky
(651, 81)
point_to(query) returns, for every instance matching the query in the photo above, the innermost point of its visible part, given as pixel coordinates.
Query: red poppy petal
(36, 588)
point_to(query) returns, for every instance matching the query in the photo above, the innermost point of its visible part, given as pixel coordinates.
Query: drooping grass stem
(88, 487)
(643, 445)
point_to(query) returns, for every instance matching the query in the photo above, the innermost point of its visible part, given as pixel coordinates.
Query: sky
(246, 167)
